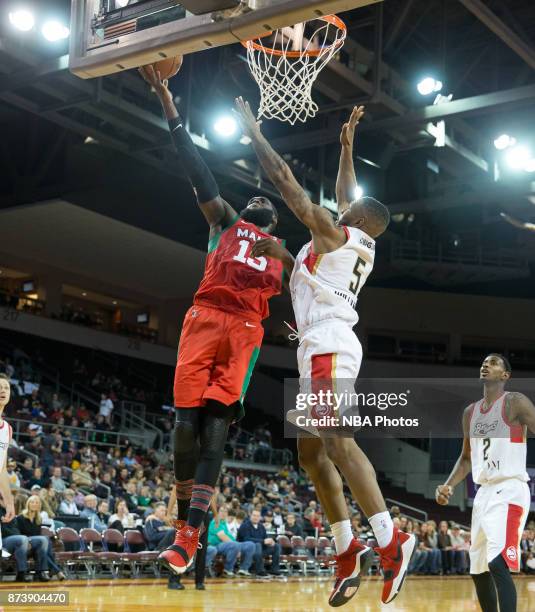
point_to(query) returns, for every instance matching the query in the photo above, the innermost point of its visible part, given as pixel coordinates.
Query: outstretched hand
(154, 79)
(348, 129)
(247, 120)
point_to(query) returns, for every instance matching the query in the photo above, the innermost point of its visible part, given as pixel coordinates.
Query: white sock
(342, 535)
(383, 528)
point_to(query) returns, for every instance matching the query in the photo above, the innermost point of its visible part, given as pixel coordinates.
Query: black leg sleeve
(486, 592)
(185, 454)
(200, 559)
(504, 584)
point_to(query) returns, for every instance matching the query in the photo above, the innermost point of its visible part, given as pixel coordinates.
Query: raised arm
(217, 212)
(461, 469)
(316, 218)
(346, 182)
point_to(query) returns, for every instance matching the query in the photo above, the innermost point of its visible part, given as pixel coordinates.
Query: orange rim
(332, 19)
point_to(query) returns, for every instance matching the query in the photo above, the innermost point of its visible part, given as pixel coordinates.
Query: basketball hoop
(286, 71)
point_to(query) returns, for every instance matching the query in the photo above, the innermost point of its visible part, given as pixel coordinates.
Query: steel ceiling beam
(465, 106)
(504, 32)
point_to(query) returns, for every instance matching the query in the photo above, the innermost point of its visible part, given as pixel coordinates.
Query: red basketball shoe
(179, 556)
(395, 560)
(350, 565)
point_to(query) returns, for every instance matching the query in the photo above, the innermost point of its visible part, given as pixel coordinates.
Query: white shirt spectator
(233, 527)
(106, 407)
(68, 507)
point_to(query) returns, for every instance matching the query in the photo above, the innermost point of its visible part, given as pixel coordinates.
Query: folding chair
(285, 565)
(69, 557)
(299, 556)
(108, 557)
(136, 554)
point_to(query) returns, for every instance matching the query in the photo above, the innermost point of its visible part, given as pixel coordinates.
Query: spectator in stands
(90, 512)
(271, 530)
(278, 519)
(67, 506)
(81, 477)
(55, 403)
(129, 460)
(47, 512)
(122, 519)
(221, 541)
(144, 499)
(37, 478)
(26, 471)
(232, 523)
(429, 539)
(18, 545)
(106, 408)
(158, 531)
(444, 543)
(103, 512)
(292, 527)
(311, 521)
(57, 482)
(105, 486)
(29, 524)
(419, 558)
(459, 548)
(13, 477)
(131, 497)
(395, 512)
(83, 414)
(253, 531)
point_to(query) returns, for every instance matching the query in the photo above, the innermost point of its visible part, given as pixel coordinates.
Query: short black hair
(506, 362)
(377, 211)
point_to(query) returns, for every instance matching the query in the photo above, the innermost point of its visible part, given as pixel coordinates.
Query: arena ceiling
(103, 144)
(111, 254)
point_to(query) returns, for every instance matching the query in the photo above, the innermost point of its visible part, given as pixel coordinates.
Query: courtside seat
(136, 554)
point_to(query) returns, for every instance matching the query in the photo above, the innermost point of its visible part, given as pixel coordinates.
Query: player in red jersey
(221, 334)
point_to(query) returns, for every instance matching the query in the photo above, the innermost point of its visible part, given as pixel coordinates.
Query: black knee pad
(186, 432)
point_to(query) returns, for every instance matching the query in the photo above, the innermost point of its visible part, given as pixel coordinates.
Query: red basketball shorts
(216, 356)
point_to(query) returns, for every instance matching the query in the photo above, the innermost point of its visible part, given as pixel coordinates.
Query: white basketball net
(286, 82)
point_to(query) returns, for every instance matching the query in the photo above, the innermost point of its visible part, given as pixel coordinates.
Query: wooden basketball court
(296, 595)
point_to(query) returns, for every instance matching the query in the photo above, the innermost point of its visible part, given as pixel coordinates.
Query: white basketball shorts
(498, 518)
(329, 357)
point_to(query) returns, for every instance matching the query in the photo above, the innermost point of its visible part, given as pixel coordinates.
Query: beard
(262, 217)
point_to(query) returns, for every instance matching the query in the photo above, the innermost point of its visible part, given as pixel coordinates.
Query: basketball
(168, 67)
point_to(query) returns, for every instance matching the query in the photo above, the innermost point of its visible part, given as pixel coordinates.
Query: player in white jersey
(5, 439)
(325, 281)
(494, 449)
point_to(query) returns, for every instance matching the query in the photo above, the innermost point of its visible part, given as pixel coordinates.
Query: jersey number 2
(486, 444)
(258, 263)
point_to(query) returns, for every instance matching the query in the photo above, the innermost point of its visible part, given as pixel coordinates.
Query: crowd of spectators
(79, 467)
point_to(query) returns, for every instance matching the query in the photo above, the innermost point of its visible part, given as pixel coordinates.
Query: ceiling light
(54, 31)
(225, 126)
(504, 141)
(428, 86)
(518, 157)
(22, 19)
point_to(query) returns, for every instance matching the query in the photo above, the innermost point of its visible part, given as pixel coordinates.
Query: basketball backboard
(109, 36)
